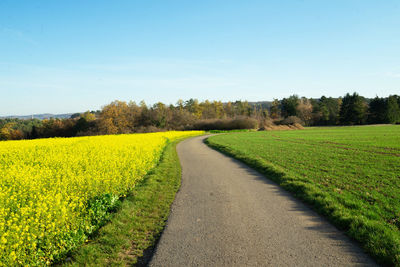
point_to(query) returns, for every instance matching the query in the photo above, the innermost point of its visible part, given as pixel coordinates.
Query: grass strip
(133, 231)
(379, 241)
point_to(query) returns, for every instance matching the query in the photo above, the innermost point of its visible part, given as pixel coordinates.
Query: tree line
(120, 117)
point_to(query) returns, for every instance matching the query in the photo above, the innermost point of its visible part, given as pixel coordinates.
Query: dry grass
(274, 127)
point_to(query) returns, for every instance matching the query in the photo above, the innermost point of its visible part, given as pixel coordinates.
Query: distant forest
(120, 117)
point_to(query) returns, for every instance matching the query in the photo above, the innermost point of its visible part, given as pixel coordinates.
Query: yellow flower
(13, 256)
(46, 185)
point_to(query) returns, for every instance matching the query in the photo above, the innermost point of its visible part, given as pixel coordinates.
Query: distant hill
(39, 116)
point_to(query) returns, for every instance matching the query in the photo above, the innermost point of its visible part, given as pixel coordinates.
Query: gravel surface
(227, 214)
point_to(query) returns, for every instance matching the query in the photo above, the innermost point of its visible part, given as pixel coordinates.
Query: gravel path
(227, 214)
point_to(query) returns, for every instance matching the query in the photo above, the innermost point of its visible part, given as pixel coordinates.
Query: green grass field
(351, 175)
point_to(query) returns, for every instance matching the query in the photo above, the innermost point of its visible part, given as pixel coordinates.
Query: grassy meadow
(351, 175)
(55, 193)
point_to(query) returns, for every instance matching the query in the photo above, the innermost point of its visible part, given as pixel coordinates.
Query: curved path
(227, 214)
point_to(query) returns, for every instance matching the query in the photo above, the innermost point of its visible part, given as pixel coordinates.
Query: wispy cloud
(19, 35)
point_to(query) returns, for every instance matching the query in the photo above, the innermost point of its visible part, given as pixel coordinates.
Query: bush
(226, 124)
(149, 129)
(292, 120)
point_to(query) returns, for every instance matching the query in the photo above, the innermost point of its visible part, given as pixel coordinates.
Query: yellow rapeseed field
(54, 192)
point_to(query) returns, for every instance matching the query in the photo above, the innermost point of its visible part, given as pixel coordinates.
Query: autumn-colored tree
(180, 104)
(304, 110)
(219, 109)
(7, 132)
(17, 134)
(114, 118)
(193, 106)
(208, 110)
(229, 110)
(88, 116)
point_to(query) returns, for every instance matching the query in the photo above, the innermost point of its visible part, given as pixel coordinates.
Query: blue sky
(72, 56)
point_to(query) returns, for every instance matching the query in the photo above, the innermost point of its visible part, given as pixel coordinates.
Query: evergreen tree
(392, 110)
(289, 106)
(377, 110)
(353, 109)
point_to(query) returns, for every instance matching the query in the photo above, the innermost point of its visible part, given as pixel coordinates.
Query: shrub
(226, 124)
(291, 120)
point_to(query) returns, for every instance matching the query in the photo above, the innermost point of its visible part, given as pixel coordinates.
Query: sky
(72, 56)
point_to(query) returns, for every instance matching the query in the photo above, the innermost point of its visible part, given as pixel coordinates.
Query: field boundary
(132, 233)
(385, 249)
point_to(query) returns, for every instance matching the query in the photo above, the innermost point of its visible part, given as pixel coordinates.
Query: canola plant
(55, 192)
